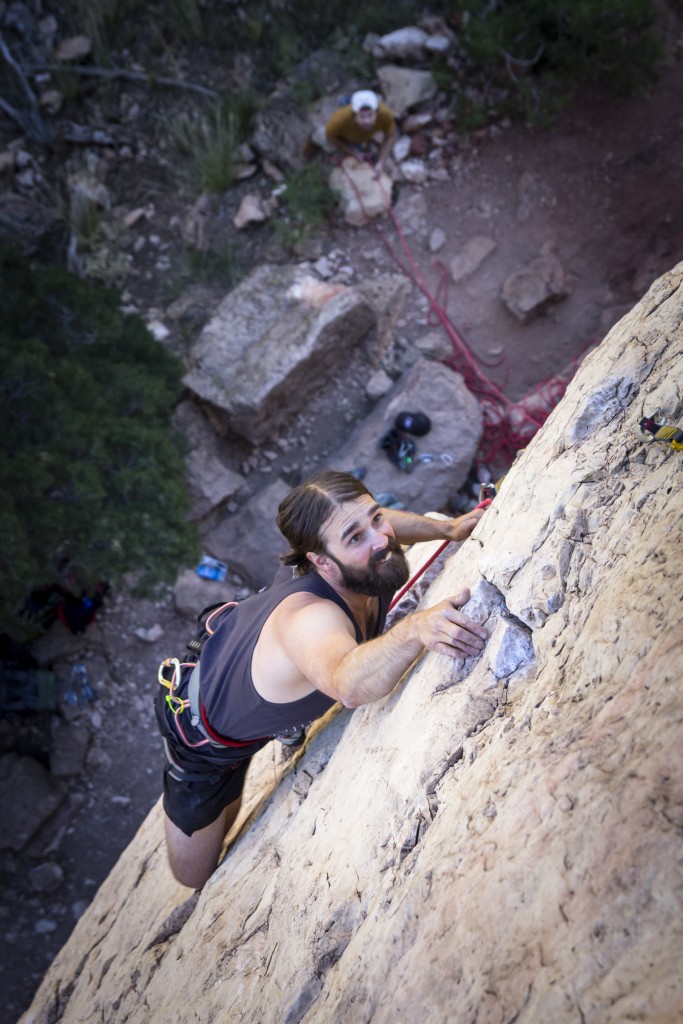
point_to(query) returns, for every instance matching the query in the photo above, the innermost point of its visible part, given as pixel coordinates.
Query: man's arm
(317, 638)
(335, 130)
(385, 148)
(411, 528)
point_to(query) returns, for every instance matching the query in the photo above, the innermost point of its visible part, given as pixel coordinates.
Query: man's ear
(318, 559)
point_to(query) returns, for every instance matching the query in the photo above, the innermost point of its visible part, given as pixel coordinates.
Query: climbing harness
(655, 428)
(181, 679)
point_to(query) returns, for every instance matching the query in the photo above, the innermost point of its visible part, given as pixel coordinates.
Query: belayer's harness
(655, 428)
(183, 687)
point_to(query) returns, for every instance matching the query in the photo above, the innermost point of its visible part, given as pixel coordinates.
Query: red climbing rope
(508, 426)
(415, 577)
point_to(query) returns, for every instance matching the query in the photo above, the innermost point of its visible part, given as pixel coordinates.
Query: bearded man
(280, 659)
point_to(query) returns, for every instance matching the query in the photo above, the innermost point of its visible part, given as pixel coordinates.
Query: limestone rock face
(266, 346)
(497, 840)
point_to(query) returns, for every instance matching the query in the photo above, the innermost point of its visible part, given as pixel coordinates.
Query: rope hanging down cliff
(500, 440)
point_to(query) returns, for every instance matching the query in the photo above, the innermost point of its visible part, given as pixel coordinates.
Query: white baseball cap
(364, 98)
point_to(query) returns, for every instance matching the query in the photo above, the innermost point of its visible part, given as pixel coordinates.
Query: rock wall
(498, 840)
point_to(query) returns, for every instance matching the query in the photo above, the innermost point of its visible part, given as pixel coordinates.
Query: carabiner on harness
(175, 703)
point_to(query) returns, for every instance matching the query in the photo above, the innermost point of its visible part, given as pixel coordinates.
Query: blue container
(211, 569)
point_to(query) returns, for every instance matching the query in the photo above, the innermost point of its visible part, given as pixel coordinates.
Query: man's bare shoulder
(289, 658)
(304, 608)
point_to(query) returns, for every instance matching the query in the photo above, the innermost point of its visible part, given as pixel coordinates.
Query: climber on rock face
(281, 658)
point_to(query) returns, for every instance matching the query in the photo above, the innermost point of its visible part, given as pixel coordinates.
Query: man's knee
(193, 859)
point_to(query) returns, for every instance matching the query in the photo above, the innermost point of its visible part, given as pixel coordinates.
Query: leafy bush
(562, 41)
(90, 476)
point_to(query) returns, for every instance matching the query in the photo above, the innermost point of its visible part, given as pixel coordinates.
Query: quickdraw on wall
(655, 428)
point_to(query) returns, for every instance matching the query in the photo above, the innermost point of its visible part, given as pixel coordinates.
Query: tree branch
(510, 60)
(130, 76)
(28, 119)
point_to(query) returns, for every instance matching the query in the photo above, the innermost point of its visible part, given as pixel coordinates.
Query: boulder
(249, 541)
(435, 345)
(192, 593)
(451, 444)
(28, 797)
(499, 839)
(209, 482)
(264, 349)
(437, 240)
(414, 171)
(401, 148)
(253, 210)
(407, 44)
(74, 48)
(378, 384)
(405, 88)
(281, 132)
(529, 292)
(362, 195)
(439, 45)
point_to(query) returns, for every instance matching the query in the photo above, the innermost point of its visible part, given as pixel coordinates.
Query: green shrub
(215, 266)
(184, 18)
(562, 41)
(210, 139)
(90, 475)
(308, 205)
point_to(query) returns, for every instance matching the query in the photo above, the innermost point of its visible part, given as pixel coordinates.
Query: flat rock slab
(28, 796)
(251, 542)
(528, 292)
(269, 344)
(471, 256)
(451, 444)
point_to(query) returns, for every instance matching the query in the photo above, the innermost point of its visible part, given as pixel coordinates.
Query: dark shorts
(198, 783)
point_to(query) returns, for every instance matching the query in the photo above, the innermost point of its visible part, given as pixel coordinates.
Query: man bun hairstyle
(305, 510)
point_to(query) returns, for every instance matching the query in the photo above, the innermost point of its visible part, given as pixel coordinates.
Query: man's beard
(379, 578)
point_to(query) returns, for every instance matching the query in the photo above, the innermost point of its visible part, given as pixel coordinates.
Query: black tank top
(232, 705)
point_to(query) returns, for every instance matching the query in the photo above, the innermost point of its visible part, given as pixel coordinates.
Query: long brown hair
(305, 510)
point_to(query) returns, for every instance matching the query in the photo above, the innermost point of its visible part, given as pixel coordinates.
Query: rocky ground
(601, 189)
